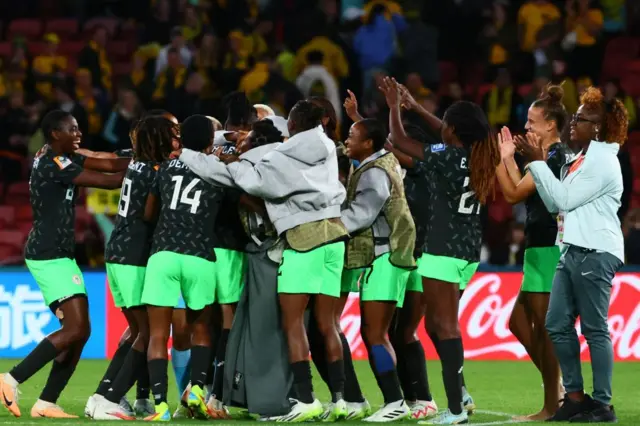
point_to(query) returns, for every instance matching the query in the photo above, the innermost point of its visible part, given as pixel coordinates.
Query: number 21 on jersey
(468, 203)
(192, 200)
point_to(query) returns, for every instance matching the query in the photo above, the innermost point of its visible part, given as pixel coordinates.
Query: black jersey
(416, 190)
(53, 194)
(454, 228)
(130, 240)
(541, 227)
(189, 207)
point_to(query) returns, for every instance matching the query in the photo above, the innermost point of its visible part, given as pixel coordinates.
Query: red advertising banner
(484, 320)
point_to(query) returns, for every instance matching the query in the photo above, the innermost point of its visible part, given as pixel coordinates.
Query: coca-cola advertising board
(484, 314)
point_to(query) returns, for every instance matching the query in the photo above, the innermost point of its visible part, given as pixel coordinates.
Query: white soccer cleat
(107, 410)
(392, 412)
(446, 417)
(300, 412)
(93, 401)
(358, 410)
(422, 409)
(468, 403)
(334, 411)
(144, 407)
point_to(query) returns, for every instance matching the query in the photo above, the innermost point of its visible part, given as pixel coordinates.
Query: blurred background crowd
(107, 61)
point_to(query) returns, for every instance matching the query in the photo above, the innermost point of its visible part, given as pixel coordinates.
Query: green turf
(500, 389)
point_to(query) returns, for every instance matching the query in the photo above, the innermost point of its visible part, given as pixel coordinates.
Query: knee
(372, 336)
(558, 324)
(446, 330)
(78, 332)
(594, 331)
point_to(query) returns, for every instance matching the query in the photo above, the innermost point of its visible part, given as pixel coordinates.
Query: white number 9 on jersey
(467, 201)
(125, 198)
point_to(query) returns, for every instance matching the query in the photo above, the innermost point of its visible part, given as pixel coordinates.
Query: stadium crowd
(184, 56)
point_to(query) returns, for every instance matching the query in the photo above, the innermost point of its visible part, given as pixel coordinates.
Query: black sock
(464, 385)
(40, 356)
(452, 357)
(142, 388)
(114, 367)
(200, 356)
(404, 374)
(434, 340)
(416, 364)
(158, 378)
(336, 380)
(352, 391)
(58, 378)
(126, 376)
(302, 385)
(218, 375)
(386, 373)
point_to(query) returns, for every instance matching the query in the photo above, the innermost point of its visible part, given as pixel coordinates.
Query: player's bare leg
(521, 326)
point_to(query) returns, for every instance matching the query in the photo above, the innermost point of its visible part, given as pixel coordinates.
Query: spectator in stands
(192, 24)
(316, 80)
(170, 82)
(191, 101)
(49, 66)
(420, 49)
(236, 59)
(177, 45)
(256, 41)
(120, 121)
(416, 87)
(539, 27)
(157, 29)
(334, 58)
(141, 77)
(503, 102)
(612, 90)
(375, 42)
(206, 63)
(94, 104)
(15, 128)
(499, 39)
(94, 58)
(584, 25)
(19, 60)
(254, 81)
(559, 77)
(12, 80)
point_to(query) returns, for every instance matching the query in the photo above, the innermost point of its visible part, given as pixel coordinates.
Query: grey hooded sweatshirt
(298, 179)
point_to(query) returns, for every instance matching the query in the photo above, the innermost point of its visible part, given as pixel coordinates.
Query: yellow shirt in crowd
(334, 59)
(583, 38)
(534, 17)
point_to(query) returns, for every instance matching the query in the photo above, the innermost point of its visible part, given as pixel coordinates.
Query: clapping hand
(351, 107)
(389, 87)
(507, 144)
(530, 146)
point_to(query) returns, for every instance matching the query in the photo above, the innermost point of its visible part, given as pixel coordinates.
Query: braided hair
(241, 114)
(152, 137)
(265, 132)
(615, 117)
(471, 127)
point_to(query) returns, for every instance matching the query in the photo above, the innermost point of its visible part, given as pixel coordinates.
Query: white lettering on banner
(490, 317)
(624, 327)
(23, 316)
(350, 323)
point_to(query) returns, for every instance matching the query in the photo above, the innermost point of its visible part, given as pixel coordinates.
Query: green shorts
(414, 283)
(171, 274)
(318, 271)
(350, 280)
(539, 268)
(57, 278)
(126, 283)
(231, 266)
(384, 282)
(449, 269)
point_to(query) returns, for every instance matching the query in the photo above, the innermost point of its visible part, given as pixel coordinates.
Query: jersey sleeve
(78, 159)
(434, 158)
(64, 170)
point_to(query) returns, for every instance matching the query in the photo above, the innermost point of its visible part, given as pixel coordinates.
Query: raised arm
(409, 102)
(351, 107)
(372, 193)
(514, 188)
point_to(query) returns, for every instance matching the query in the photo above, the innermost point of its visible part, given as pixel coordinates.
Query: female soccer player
(383, 239)
(182, 262)
(587, 200)
(546, 120)
(49, 254)
(126, 255)
(461, 174)
(357, 405)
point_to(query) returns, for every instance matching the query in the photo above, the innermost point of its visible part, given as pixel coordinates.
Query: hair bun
(555, 93)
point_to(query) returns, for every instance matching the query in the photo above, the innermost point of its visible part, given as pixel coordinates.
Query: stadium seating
(28, 28)
(64, 28)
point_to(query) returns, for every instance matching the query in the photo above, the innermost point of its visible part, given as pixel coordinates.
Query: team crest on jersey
(437, 147)
(62, 162)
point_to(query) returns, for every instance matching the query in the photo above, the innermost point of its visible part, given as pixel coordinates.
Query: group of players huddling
(389, 215)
